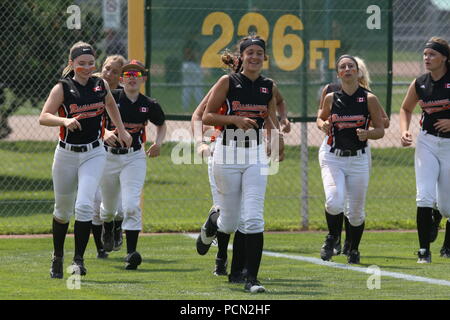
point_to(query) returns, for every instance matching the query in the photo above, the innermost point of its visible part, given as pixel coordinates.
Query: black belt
(241, 143)
(115, 150)
(79, 148)
(347, 152)
(439, 134)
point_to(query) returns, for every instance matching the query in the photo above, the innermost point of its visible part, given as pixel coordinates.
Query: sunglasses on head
(129, 74)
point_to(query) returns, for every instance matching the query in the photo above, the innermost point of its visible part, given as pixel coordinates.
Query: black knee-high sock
(97, 232)
(347, 230)
(340, 221)
(334, 223)
(253, 248)
(132, 239)
(82, 231)
(239, 257)
(109, 226)
(424, 223)
(59, 236)
(222, 243)
(356, 235)
(447, 235)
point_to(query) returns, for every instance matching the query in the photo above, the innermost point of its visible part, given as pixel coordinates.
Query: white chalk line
(320, 262)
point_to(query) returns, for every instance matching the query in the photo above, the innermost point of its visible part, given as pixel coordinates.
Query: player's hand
(285, 125)
(245, 123)
(203, 150)
(110, 138)
(72, 124)
(326, 126)
(406, 139)
(362, 134)
(154, 151)
(442, 125)
(124, 138)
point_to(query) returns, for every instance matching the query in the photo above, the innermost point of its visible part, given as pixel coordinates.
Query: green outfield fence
(183, 41)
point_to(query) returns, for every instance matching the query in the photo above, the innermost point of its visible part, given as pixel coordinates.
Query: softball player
(205, 149)
(344, 161)
(432, 155)
(364, 82)
(80, 101)
(126, 168)
(111, 71)
(238, 159)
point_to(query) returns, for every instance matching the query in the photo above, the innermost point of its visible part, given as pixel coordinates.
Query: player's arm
(113, 112)
(324, 113)
(272, 126)
(282, 113)
(196, 119)
(319, 121)
(408, 105)
(211, 115)
(377, 132)
(48, 115)
(155, 148)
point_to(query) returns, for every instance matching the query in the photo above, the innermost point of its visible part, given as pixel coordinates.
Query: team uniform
(238, 165)
(126, 168)
(432, 154)
(79, 157)
(344, 160)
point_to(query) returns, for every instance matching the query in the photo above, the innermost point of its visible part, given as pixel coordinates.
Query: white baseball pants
(124, 174)
(76, 177)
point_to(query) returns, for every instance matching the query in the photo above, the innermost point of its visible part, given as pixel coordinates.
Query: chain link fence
(184, 40)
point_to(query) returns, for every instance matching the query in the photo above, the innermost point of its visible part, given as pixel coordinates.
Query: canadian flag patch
(447, 86)
(143, 109)
(97, 88)
(264, 90)
(361, 99)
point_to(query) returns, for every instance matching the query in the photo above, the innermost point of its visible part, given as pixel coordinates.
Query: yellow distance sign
(280, 40)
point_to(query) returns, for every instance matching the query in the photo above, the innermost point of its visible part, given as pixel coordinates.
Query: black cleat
(445, 252)
(337, 248)
(353, 257)
(132, 261)
(107, 240)
(327, 250)
(424, 256)
(56, 270)
(437, 217)
(346, 248)
(207, 234)
(102, 254)
(118, 238)
(221, 267)
(254, 286)
(78, 267)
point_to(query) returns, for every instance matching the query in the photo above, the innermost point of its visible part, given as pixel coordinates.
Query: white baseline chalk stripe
(318, 261)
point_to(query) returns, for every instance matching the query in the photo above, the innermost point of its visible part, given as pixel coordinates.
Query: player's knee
(334, 207)
(356, 220)
(61, 218)
(444, 210)
(84, 211)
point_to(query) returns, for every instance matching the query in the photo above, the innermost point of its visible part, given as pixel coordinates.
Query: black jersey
(348, 113)
(87, 102)
(434, 99)
(250, 99)
(135, 115)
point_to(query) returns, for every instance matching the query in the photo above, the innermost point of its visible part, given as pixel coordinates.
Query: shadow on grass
(20, 183)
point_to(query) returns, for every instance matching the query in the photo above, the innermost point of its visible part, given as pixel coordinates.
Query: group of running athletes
(100, 157)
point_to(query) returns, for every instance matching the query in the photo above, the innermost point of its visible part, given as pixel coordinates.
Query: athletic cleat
(236, 278)
(78, 267)
(424, 256)
(445, 252)
(56, 270)
(207, 234)
(254, 286)
(346, 248)
(107, 240)
(326, 252)
(353, 257)
(102, 254)
(437, 217)
(337, 248)
(118, 238)
(132, 261)
(221, 267)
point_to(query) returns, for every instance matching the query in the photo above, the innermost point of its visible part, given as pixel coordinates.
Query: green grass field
(172, 270)
(177, 197)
